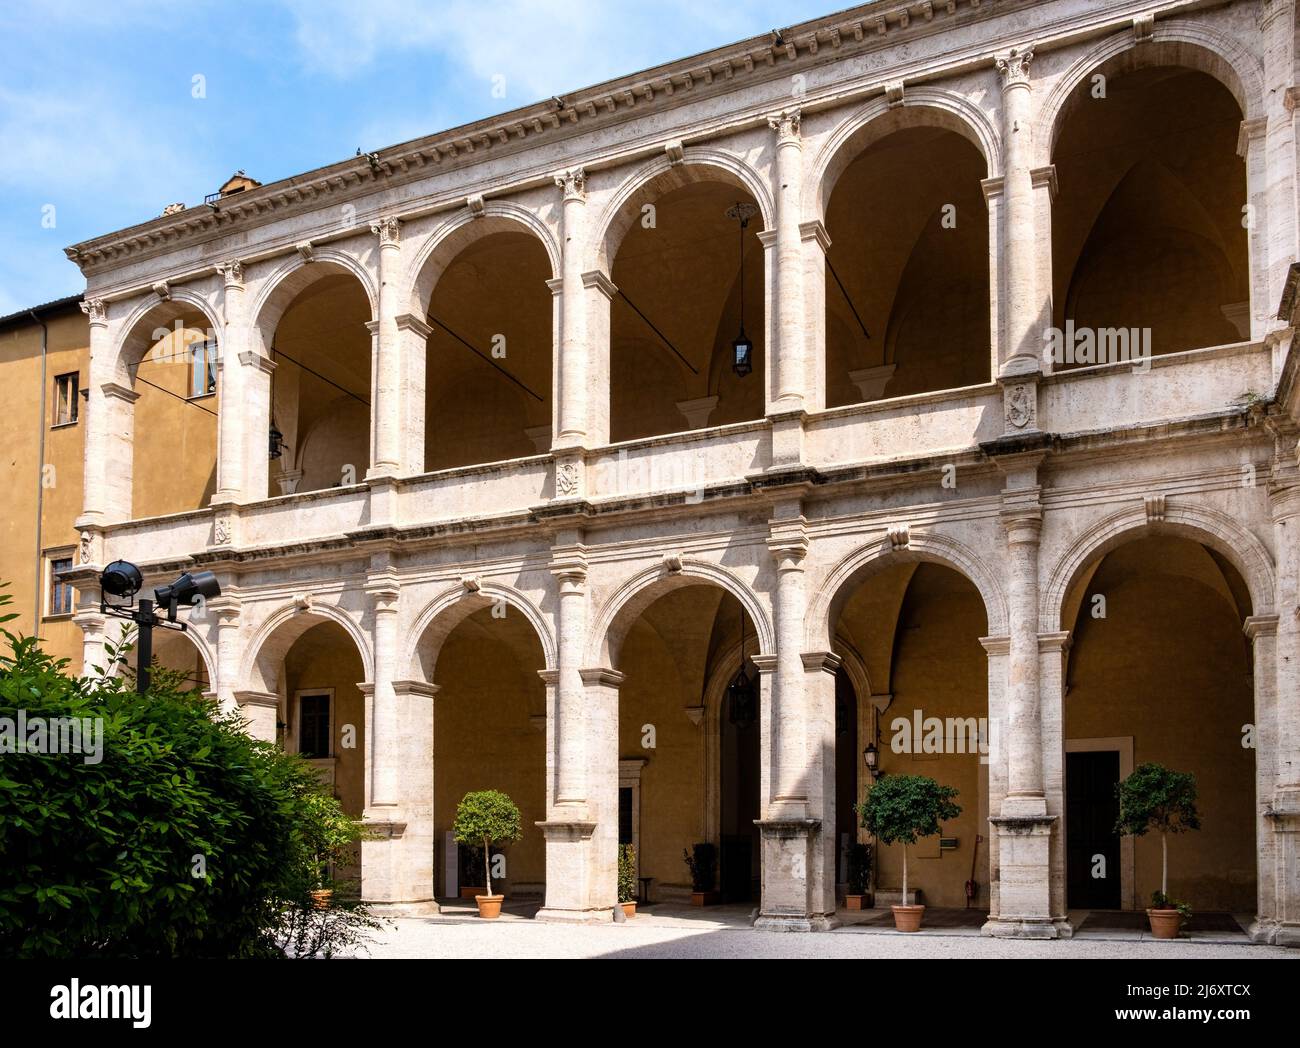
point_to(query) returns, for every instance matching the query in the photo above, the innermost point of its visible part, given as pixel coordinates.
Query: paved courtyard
(672, 932)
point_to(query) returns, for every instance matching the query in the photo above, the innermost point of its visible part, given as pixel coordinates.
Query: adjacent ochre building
(460, 427)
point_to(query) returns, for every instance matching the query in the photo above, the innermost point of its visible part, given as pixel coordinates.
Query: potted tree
(627, 879)
(330, 836)
(1155, 798)
(482, 820)
(702, 861)
(858, 896)
(901, 809)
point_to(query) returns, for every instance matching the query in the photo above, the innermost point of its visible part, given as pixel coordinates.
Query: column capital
(388, 230)
(765, 664)
(598, 281)
(787, 125)
(232, 273)
(569, 567)
(415, 689)
(602, 677)
(551, 678)
(1054, 642)
(996, 645)
(814, 232)
(821, 662)
(252, 359)
(1014, 66)
(97, 310)
(788, 543)
(384, 590)
(410, 322)
(1023, 525)
(1261, 626)
(574, 183)
(227, 610)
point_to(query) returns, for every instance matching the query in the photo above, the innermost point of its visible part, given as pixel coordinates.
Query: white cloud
(540, 47)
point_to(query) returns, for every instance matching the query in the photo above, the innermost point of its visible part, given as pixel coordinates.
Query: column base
(799, 923)
(554, 915)
(1268, 932)
(395, 910)
(1027, 928)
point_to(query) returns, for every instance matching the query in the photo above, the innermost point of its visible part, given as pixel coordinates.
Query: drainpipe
(40, 476)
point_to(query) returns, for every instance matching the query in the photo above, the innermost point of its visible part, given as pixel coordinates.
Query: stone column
(788, 351)
(1053, 651)
(234, 424)
(1277, 30)
(386, 400)
(600, 293)
(230, 650)
(795, 876)
(581, 827)
(1023, 826)
(413, 336)
(383, 734)
(397, 856)
(998, 649)
(94, 640)
(816, 246)
(109, 429)
(261, 712)
(1285, 809)
(1023, 328)
(1261, 630)
(571, 397)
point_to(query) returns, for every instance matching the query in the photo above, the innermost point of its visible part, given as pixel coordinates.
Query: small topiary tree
(1155, 798)
(901, 809)
(627, 873)
(484, 819)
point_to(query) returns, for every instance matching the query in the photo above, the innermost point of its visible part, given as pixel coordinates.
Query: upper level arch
(282, 286)
(660, 177)
(153, 320)
(265, 655)
(452, 607)
(1176, 42)
(921, 107)
(464, 228)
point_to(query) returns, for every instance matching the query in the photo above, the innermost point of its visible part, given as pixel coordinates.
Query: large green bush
(187, 839)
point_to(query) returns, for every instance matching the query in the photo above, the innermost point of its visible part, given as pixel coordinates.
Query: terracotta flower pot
(323, 898)
(629, 909)
(1165, 924)
(908, 918)
(489, 906)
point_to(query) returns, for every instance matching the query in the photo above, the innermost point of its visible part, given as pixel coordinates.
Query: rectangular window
(203, 369)
(625, 815)
(59, 595)
(314, 739)
(65, 398)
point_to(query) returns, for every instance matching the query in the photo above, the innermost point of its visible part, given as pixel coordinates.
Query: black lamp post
(742, 349)
(123, 580)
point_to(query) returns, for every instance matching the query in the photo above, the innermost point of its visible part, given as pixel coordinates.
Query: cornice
(753, 62)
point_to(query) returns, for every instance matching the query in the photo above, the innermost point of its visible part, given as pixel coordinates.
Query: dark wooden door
(1091, 809)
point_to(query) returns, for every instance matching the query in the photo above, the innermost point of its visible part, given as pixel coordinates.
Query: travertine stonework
(789, 510)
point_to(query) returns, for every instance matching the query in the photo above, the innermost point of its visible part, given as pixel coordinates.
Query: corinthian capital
(1014, 65)
(232, 272)
(574, 184)
(388, 230)
(96, 309)
(786, 125)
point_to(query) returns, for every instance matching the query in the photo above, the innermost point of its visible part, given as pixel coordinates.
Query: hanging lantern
(277, 442)
(742, 349)
(742, 692)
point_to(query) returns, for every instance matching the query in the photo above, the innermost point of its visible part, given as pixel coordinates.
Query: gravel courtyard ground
(657, 937)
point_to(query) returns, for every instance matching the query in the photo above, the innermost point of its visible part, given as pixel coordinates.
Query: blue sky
(100, 126)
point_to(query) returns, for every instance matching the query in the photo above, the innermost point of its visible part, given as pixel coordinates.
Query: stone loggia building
(493, 506)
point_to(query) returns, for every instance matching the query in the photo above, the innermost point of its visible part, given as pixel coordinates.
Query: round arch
(1177, 42)
(921, 107)
(140, 328)
(661, 176)
(1209, 527)
(452, 607)
(293, 276)
(841, 583)
(464, 228)
(277, 635)
(625, 606)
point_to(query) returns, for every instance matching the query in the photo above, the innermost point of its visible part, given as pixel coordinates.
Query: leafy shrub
(901, 809)
(627, 873)
(859, 872)
(187, 839)
(703, 864)
(484, 819)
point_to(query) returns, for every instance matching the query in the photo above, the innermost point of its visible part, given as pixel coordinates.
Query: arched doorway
(1160, 671)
